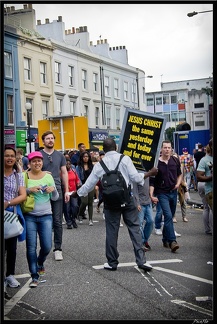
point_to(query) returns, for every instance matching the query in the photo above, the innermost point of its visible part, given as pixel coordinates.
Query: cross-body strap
(105, 167)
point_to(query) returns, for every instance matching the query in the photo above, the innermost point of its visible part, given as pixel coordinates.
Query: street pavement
(180, 286)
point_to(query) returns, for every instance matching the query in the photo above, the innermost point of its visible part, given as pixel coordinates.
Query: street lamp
(137, 85)
(28, 107)
(191, 14)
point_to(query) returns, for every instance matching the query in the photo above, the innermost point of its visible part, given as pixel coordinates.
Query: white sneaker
(58, 255)
(90, 223)
(177, 234)
(12, 282)
(121, 225)
(158, 231)
(96, 200)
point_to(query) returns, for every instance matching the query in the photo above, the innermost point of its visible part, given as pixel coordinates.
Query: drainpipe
(102, 95)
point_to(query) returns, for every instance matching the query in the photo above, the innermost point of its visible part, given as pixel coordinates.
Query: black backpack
(115, 192)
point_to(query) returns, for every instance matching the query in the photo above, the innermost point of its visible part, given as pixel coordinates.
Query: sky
(160, 38)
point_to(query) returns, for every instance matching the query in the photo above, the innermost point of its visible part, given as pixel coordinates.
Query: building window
(199, 105)
(27, 69)
(95, 82)
(173, 99)
(97, 116)
(166, 99)
(158, 101)
(126, 94)
(84, 79)
(85, 110)
(133, 92)
(71, 75)
(10, 109)
(106, 80)
(167, 117)
(116, 88)
(118, 118)
(59, 106)
(108, 116)
(150, 102)
(43, 73)
(72, 107)
(57, 72)
(8, 65)
(30, 122)
(44, 109)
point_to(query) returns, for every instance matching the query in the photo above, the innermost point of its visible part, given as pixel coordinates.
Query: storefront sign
(9, 137)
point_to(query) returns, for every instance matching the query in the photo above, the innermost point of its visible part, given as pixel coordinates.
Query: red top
(73, 180)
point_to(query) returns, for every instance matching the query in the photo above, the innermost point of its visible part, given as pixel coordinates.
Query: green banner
(21, 138)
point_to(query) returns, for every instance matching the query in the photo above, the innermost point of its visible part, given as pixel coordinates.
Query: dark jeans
(11, 252)
(168, 202)
(71, 210)
(57, 212)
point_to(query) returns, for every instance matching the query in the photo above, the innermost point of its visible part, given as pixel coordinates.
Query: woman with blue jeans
(144, 207)
(39, 220)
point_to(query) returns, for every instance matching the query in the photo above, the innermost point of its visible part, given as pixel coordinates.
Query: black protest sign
(141, 137)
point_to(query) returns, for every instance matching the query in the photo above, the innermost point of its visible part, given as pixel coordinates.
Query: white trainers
(96, 200)
(12, 282)
(177, 234)
(58, 255)
(158, 231)
(108, 267)
(121, 225)
(90, 223)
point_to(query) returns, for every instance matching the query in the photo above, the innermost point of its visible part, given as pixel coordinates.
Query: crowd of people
(65, 187)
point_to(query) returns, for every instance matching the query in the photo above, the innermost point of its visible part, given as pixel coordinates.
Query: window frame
(27, 68)
(8, 65)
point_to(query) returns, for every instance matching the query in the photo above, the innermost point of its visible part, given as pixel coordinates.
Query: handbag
(12, 225)
(29, 204)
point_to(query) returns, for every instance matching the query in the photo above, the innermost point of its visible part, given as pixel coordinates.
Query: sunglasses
(50, 158)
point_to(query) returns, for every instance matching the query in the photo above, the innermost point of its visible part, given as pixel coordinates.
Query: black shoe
(146, 267)
(166, 244)
(84, 217)
(69, 226)
(75, 225)
(108, 267)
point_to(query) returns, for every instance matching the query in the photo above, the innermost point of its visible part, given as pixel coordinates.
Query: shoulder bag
(29, 204)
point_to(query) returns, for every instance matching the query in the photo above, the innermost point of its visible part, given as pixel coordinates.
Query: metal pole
(14, 94)
(29, 139)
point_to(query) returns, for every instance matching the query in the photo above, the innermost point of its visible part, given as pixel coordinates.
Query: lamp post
(137, 84)
(28, 107)
(191, 14)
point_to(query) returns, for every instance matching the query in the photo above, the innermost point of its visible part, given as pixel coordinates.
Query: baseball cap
(35, 154)
(185, 150)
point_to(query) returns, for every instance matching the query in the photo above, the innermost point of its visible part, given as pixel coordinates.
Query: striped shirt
(10, 185)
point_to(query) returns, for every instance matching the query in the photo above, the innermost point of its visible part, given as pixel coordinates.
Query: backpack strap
(105, 167)
(121, 157)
